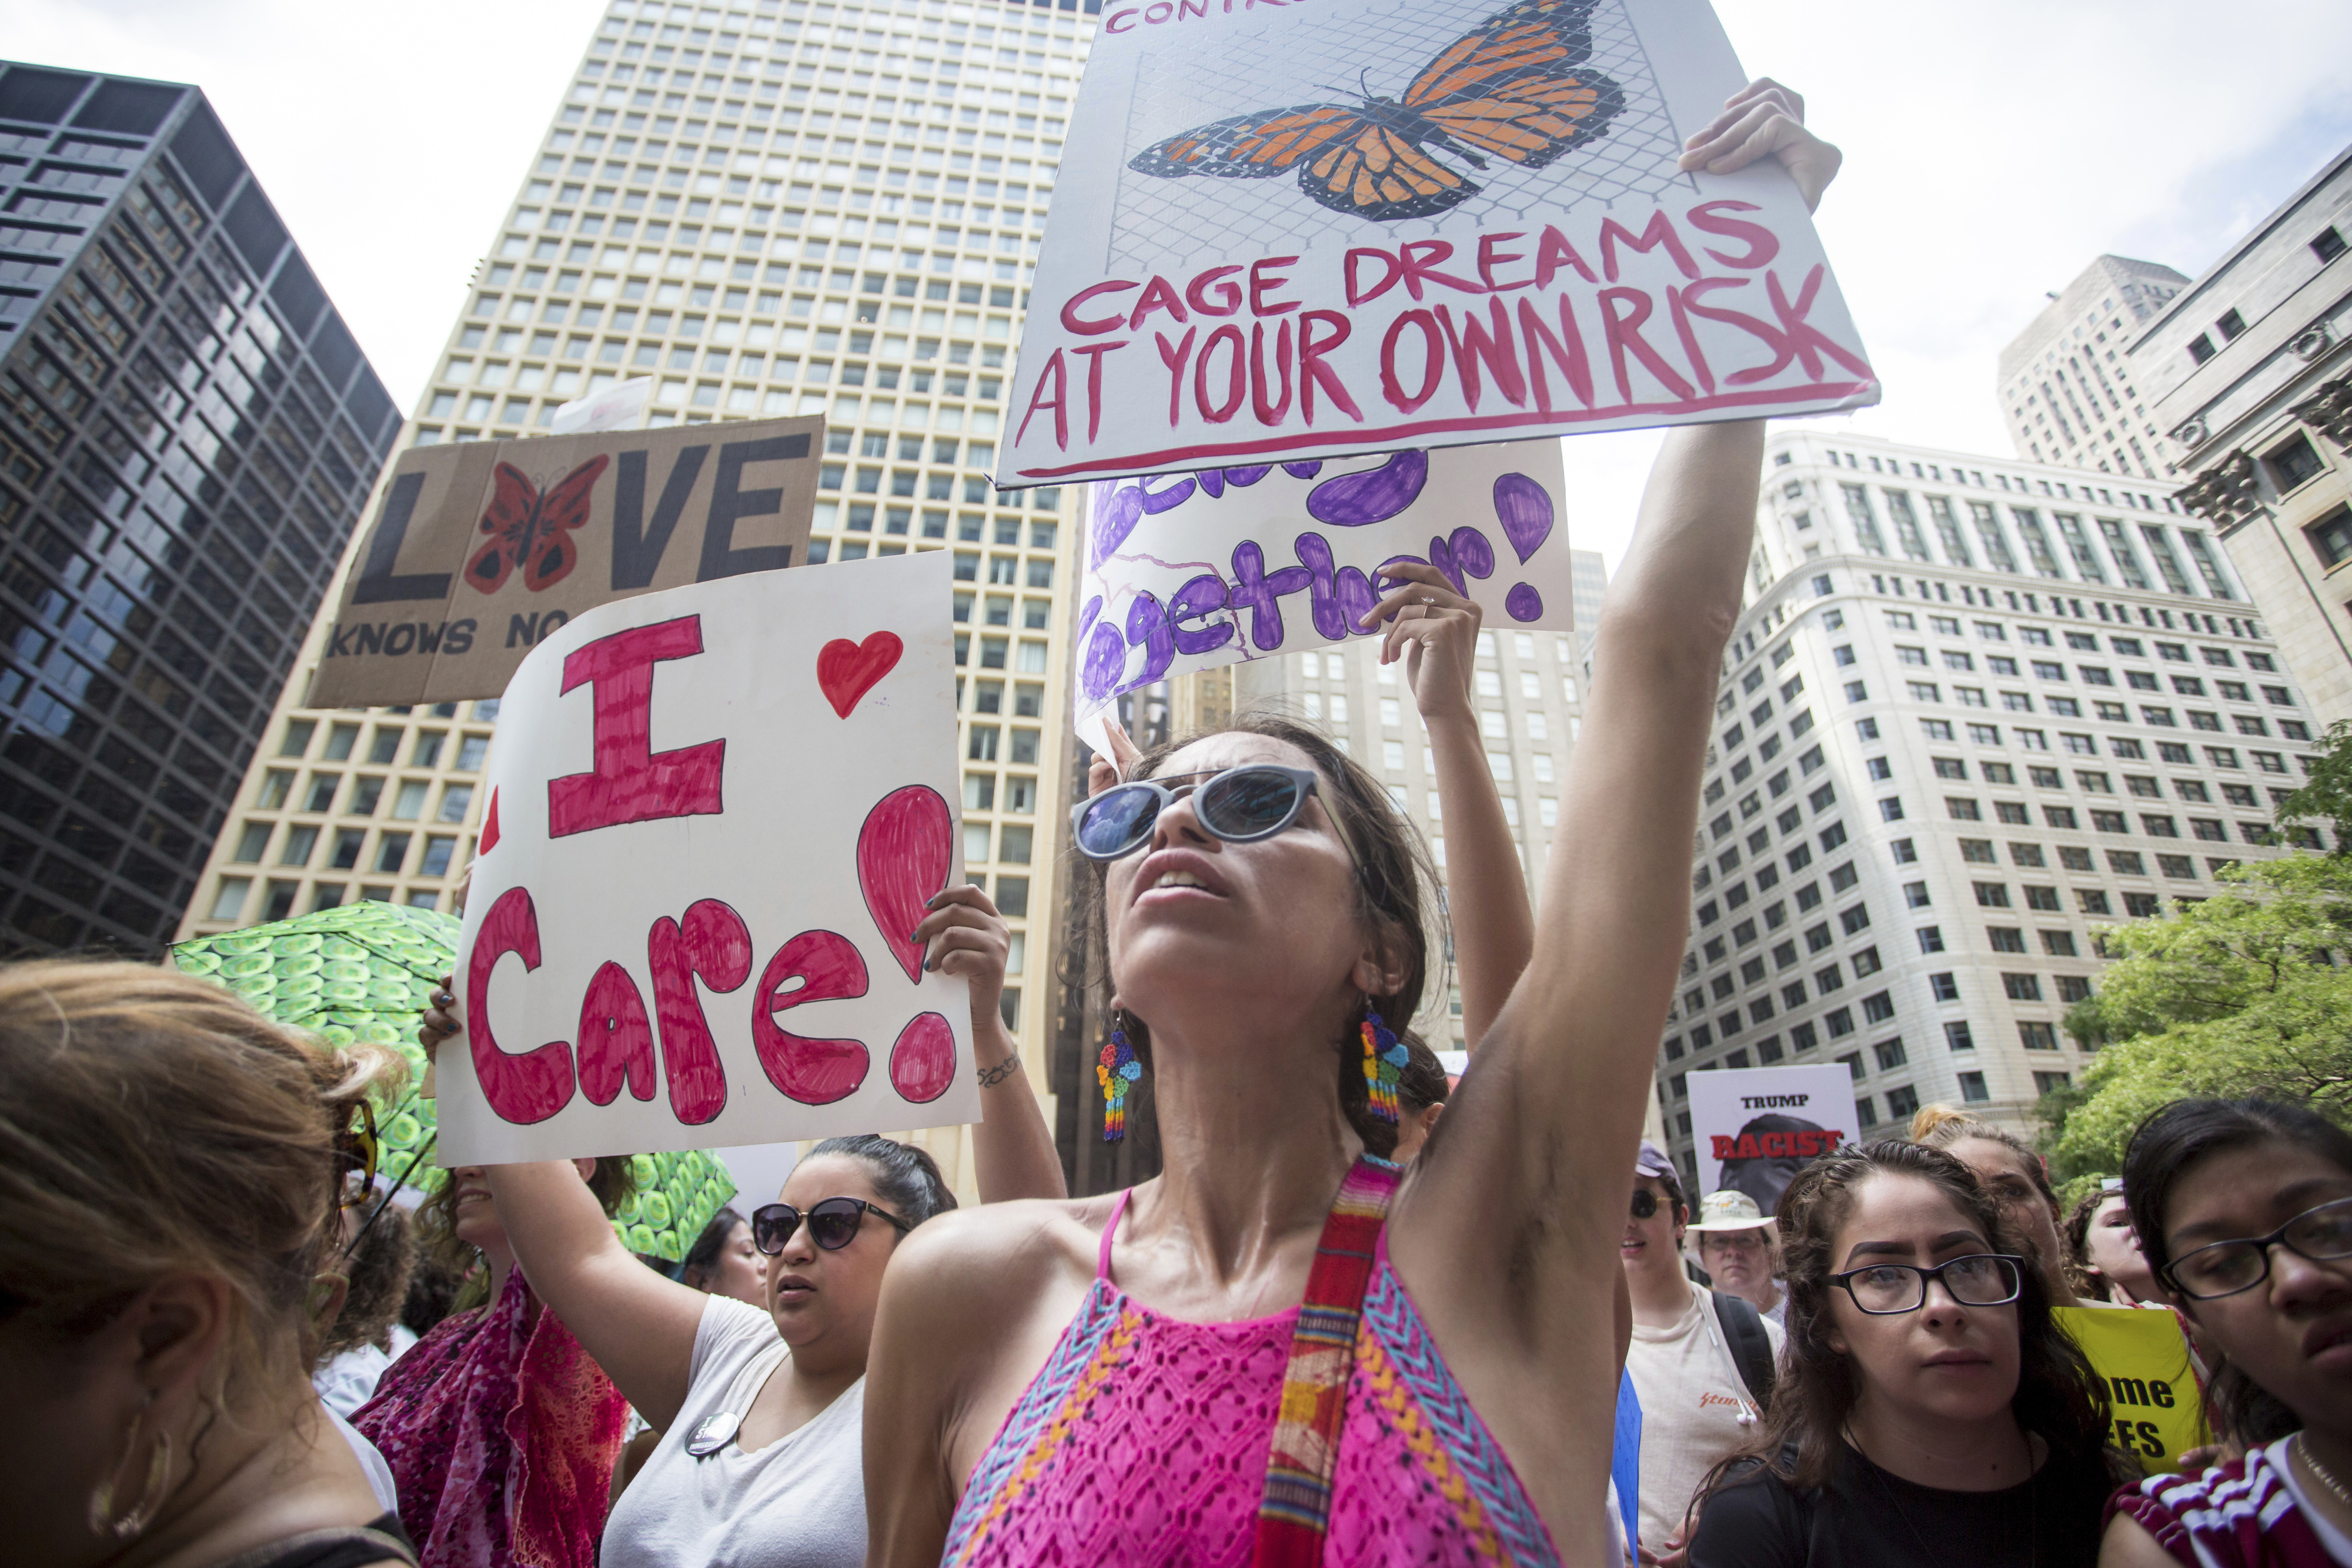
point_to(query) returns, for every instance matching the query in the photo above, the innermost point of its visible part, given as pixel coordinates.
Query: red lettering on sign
(1228, 293)
(1433, 349)
(1421, 256)
(1475, 346)
(1237, 383)
(1174, 355)
(1059, 374)
(1763, 245)
(616, 1038)
(631, 783)
(1093, 353)
(1490, 257)
(1086, 329)
(1725, 1146)
(1260, 283)
(807, 1068)
(714, 944)
(524, 1086)
(1313, 372)
(1567, 351)
(1553, 252)
(1807, 342)
(1393, 270)
(1623, 334)
(1658, 232)
(1270, 412)
(1158, 295)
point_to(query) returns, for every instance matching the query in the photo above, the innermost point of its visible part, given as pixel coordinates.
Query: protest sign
(480, 550)
(714, 815)
(1186, 572)
(1286, 231)
(2154, 1402)
(1755, 1127)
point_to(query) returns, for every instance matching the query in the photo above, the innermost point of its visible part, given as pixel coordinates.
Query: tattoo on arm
(989, 1077)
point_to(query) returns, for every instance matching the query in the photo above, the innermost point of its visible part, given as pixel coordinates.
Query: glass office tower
(187, 432)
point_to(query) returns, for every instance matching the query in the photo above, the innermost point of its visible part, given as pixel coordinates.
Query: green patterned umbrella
(366, 972)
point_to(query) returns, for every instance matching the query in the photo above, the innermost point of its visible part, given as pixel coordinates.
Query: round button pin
(712, 1433)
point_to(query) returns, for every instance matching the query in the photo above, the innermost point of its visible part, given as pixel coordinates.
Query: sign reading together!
(1757, 1127)
(1188, 571)
(715, 817)
(1287, 231)
(481, 549)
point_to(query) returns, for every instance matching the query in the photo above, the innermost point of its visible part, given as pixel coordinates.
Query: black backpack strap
(1750, 1347)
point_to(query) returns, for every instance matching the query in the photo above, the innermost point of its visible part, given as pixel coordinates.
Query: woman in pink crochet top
(1098, 1381)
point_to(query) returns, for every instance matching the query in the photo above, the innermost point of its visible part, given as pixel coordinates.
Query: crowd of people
(1363, 1315)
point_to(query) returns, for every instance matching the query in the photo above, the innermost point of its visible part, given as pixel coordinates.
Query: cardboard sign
(1289, 231)
(714, 815)
(2152, 1393)
(1189, 571)
(1755, 1127)
(482, 548)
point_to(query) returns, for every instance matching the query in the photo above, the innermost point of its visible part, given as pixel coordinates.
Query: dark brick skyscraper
(187, 433)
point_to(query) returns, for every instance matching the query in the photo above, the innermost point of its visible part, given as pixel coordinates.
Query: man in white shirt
(1698, 1404)
(1737, 1247)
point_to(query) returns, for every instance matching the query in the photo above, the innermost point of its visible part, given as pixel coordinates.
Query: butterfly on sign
(531, 528)
(1514, 87)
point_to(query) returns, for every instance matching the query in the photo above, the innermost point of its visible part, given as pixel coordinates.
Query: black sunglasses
(1646, 1203)
(1240, 805)
(833, 1223)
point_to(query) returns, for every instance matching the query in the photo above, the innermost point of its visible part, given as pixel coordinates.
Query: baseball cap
(1650, 1160)
(1728, 1210)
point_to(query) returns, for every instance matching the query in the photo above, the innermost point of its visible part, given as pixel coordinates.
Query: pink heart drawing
(846, 671)
(923, 1064)
(905, 851)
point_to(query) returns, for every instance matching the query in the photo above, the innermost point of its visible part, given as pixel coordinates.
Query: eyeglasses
(833, 1223)
(1979, 1279)
(1750, 1240)
(1646, 1203)
(356, 1147)
(2324, 1235)
(1240, 805)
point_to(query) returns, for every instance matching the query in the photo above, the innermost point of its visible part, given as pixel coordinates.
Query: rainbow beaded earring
(1116, 1070)
(1385, 1060)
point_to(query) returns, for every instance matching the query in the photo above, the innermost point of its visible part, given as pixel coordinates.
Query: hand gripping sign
(1285, 230)
(1757, 1127)
(715, 816)
(1188, 571)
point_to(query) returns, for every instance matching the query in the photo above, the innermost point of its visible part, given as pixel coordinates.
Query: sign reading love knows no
(716, 817)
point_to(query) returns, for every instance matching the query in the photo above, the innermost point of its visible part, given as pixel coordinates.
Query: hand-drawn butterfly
(1514, 87)
(531, 528)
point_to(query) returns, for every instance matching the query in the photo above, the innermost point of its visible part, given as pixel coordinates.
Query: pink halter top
(1144, 1441)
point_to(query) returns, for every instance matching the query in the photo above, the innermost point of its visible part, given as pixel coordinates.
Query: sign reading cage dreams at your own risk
(716, 815)
(1290, 231)
(1186, 572)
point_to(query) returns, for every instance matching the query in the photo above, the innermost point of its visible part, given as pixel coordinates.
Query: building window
(1973, 1088)
(391, 854)
(1901, 1101)
(2200, 347)
(2292, 462)
(1958, 1038)
(2331, 536)
(2327, 244)
(2038, 1035)
(228, 901)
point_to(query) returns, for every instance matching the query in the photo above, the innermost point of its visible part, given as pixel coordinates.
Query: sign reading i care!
(481, 549)
(716, 815)
(1290, 230)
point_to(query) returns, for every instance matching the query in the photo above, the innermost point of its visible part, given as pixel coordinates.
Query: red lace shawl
(502, 1434)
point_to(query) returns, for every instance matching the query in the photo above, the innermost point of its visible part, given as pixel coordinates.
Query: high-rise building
(1528, 687)
(1973, 710)
(2250, 372)
(187, 433)
(1589, 582)
(2066, 387)
(770, 208)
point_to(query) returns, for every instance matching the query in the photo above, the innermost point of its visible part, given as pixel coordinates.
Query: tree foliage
(2247, 993)
(2326, 794)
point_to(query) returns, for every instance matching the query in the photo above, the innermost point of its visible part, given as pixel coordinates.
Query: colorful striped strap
(1297, 1507)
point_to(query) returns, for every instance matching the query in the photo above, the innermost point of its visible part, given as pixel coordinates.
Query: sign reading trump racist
(481, 549)
(1286, 231)
(1755, 1127)
(1188, 571)
(715, 817)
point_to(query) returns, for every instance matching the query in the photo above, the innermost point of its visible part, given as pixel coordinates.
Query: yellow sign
(2141, 1356)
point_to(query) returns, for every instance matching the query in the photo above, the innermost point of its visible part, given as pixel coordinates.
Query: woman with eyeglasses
(172, 1165)
(1282, 1345)
(760, 1409)
(2243, 1209)
(1927, 1411)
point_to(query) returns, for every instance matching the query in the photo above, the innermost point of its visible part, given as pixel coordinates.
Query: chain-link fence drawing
(1257, 63)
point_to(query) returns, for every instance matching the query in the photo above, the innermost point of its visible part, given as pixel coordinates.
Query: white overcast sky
(1992, 149)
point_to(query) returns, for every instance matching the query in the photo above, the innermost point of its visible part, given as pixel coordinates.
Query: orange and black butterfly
(1514, 87)
(531, 529)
